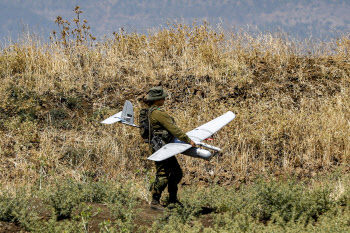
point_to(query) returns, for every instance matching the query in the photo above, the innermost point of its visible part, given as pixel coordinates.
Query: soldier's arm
(165, 120)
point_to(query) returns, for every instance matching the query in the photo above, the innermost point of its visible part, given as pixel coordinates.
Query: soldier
(168, 172)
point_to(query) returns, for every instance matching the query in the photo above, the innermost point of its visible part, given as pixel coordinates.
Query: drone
(197, 135)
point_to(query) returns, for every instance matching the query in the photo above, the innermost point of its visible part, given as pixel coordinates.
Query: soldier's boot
(155, 204)
(173, 201)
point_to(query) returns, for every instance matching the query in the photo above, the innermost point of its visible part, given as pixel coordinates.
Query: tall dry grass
(291, 98)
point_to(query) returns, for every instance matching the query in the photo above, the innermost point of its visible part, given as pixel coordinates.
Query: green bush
(68, 194)
(122, 203)
(288, 200)
(53, 226)
(95, 191)
(64, 198)
(264, 206)
(18, 209)
(274, 201)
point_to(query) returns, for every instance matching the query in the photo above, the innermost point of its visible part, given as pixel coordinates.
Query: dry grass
(291, 99)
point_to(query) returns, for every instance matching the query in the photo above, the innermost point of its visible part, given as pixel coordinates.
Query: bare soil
(9, 227)
(145, 218)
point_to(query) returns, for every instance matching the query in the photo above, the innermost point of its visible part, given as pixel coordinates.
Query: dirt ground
(9, 227)
(145, 218)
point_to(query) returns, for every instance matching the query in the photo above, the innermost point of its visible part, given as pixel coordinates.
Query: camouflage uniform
(168, 172)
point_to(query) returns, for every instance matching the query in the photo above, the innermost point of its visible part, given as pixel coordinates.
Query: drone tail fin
(126, 116)
(128, 113)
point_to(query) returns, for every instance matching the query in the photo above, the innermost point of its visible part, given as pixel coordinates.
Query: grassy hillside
(291, 99)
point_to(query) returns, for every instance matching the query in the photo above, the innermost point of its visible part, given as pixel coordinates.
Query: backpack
(144, 123)
(146, 130)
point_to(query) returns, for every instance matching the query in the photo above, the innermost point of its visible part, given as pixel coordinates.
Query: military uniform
(168, 172)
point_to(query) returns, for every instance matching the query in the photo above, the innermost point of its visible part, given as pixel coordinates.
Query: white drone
(178, 147)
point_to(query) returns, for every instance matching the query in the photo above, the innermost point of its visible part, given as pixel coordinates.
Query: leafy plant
(122, 204)
(64, 198)
(85, 214)
(17, 208)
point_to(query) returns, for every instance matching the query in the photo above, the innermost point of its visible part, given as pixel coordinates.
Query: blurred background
(300, 18)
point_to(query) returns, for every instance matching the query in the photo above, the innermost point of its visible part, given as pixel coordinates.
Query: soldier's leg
(161, 181)
(174, 179)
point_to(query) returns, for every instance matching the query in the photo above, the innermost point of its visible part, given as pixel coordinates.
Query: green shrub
(122, 202)
(95, 191)
(85, 214)
(53, 226)
(344, 197)
(264, 206)
(18, 209)
(64, 198)
(288, 200)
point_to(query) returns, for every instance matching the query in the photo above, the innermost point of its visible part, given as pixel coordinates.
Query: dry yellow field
(291, 99)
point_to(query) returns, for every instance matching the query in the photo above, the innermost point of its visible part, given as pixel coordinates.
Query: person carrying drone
(163, 127)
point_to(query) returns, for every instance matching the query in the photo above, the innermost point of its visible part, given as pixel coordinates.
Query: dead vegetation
(291, 99)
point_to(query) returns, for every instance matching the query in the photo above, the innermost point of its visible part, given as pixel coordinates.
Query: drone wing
(208, 129)
(198, 134)
(169, 150)
(113, 119)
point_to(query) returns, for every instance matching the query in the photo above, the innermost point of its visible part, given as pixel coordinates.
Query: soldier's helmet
(156, 93)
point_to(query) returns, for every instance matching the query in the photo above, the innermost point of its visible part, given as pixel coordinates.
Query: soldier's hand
(192, 143)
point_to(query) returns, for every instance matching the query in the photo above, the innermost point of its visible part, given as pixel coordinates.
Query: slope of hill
(60, 165)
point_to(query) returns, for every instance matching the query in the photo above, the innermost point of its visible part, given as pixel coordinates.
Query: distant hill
(320, 18)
